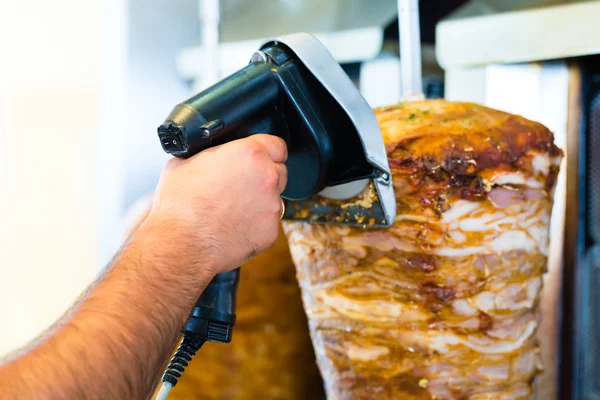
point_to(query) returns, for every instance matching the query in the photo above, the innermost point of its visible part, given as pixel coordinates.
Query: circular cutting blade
(345, 191)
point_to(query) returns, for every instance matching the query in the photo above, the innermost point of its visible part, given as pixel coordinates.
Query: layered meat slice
(444, 304)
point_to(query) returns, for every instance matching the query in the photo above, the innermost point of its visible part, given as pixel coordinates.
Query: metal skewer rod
(410, 50)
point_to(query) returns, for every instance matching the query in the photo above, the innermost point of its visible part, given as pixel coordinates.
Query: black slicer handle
(213, 316)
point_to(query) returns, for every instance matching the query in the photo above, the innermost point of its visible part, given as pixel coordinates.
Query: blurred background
(85, 83)
(83, 87)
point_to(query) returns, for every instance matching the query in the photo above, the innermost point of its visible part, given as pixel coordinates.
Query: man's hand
(210, 214)
(226, 198)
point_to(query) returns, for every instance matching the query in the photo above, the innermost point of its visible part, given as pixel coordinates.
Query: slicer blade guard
(375, 206)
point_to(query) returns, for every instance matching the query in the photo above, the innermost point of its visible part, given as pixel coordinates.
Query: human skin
(210, 214)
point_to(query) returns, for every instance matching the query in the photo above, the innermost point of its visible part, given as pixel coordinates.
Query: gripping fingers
(172, 163)
(274, 145)
(283, 176)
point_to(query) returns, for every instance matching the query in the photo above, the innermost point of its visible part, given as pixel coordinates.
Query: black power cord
(212, 319)
(182, 357)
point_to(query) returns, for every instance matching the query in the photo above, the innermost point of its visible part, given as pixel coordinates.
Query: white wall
(158, 30)
(83, 87)
(56, 59)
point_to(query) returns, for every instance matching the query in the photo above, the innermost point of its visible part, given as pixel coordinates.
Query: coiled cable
(182, 357)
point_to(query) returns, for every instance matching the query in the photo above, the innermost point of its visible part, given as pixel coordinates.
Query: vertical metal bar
(210, 16)
(573, 248)
(410, 49)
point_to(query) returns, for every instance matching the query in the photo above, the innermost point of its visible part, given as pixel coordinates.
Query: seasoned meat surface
(444, 304)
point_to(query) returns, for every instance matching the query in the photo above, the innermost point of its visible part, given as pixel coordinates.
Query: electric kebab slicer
(338, 171)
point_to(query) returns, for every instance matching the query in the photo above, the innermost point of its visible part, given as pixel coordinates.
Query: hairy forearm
(119, 337)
